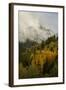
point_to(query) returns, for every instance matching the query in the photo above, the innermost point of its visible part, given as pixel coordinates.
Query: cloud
(29, 28)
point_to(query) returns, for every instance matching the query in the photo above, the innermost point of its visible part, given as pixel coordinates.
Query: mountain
(36, 34)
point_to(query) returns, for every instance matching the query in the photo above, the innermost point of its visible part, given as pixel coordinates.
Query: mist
(31, 26)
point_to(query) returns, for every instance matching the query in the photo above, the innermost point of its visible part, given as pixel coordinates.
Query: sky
(29, 25)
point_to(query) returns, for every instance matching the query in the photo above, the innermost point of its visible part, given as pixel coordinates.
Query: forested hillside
(38, 59)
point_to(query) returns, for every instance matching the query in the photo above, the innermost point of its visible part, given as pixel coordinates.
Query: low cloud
(31, 28)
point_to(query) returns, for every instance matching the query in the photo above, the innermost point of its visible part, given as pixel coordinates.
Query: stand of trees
(39, 60)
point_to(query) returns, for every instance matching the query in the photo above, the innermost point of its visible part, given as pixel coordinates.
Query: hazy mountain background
(37, 26)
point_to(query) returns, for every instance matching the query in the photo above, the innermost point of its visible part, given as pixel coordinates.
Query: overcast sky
(29, 22)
